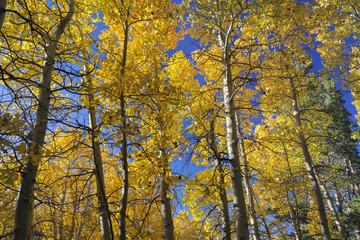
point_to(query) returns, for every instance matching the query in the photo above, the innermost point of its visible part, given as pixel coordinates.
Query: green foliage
(351, 219)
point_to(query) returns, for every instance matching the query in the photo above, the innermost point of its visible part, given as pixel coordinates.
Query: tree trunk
(294, 211)
(309, 165)
(28, 177)
(248, 188)
(2, 12)
(125, 174)
(224, 202)
(31, 220)
(242, 229)
(294, 219)
(104, 212)
(166, 212)
(354, 177)
(222, 191)
(338, 200)
(124, 155)
(334, 213)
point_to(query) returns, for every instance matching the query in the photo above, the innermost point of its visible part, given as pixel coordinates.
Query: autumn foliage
(159, 119)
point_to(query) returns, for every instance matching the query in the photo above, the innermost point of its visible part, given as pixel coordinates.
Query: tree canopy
(160, 119)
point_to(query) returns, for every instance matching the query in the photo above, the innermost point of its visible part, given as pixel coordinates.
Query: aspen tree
(211, 146)
(164, 100)
(242, 231)
(248, 187)
(132, 60)
(104, 211)
(25, 199)
(315, 181)
(220, 19)
(124, 145)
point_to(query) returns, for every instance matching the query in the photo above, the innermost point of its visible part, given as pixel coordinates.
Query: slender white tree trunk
(125, 174)
(248, 188)
(224, 202)
(242, 228)
(104, 212)
(334, 213)
(124, 154)
(242, 231)
(338, 200)
(293, 210)
(166, 211)
(241, 219)
(25, 197)
(294, 219)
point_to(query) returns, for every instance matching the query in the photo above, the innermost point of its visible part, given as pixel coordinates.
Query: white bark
(248, 188)
(294, 218)
(293, 210)
(334, 213)
(224, 202)
(124, 154)
(241, 221)
(125, 174)
(104, 212)
(242, 228)
(242, 231)
(25, 197)
(166, 212)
